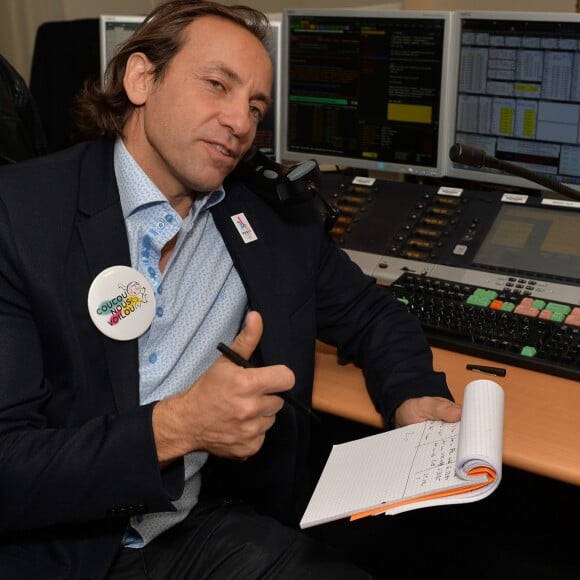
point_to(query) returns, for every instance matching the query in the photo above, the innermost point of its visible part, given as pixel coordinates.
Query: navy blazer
(77, 456)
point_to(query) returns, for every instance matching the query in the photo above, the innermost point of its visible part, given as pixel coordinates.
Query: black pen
(241, 361)
(497, 371)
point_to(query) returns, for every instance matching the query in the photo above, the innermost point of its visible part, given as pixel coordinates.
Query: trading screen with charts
(518, 93)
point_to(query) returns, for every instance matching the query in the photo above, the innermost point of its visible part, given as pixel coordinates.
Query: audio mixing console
(491, 273)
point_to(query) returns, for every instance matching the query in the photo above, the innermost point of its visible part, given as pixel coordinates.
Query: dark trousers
(231, 542)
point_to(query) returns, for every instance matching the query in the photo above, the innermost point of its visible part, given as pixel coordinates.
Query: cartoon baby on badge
(121, 303)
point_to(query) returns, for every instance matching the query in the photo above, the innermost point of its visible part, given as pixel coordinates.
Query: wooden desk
(542, 412)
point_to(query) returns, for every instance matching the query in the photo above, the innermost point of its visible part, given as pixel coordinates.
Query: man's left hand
(426, 408)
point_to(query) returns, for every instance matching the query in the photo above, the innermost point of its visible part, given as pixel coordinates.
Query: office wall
(19, 19)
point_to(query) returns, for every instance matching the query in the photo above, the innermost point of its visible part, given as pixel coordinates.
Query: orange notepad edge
(491, 475)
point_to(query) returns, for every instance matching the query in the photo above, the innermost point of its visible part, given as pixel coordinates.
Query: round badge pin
(121, 303)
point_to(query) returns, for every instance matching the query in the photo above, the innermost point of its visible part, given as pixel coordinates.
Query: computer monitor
(268, 134)
(113, 31)
(515, 87)
(366, 89)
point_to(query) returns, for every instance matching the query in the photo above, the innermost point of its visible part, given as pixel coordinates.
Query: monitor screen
(516, 94)
(541, 240)
(114, 30)
(268, 134)
(366, 89)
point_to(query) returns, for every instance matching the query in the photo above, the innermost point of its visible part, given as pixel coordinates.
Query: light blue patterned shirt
(200, 301)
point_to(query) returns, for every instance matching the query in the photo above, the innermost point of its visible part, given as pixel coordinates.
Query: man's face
(190, 129)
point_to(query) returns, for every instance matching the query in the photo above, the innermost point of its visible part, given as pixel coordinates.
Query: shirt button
(153, 358)
(159, 311)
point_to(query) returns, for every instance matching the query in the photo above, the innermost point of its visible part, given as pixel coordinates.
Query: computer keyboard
(509, 325)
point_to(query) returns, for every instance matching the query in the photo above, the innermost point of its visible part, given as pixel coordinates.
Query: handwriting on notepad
(436, 456)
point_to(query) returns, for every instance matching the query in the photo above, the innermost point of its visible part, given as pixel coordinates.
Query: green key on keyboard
(528, 351)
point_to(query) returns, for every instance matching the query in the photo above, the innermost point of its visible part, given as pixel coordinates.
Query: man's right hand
(228, 410)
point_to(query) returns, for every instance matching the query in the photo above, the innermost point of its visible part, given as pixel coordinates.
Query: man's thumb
(247, 340)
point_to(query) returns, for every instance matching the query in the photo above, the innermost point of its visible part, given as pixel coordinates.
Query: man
(130, 448)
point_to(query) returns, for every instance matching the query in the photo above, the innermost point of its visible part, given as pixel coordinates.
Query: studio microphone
(475, 157)
(285, 185)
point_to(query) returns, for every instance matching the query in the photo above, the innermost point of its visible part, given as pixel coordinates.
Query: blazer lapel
(104, 238)
(255, 263)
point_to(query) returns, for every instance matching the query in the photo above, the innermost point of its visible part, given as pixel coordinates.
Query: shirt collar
(137, 190)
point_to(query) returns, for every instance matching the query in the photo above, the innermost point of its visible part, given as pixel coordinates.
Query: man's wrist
(166, 421)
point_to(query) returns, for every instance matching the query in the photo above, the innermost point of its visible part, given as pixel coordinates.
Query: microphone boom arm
(475, 157)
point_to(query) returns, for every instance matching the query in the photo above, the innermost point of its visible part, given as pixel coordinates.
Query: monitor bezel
(487, 176)
(276, 26)
(443, 144)
(103, 20)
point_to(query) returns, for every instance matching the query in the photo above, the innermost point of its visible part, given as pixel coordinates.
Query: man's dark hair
(102, 110)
